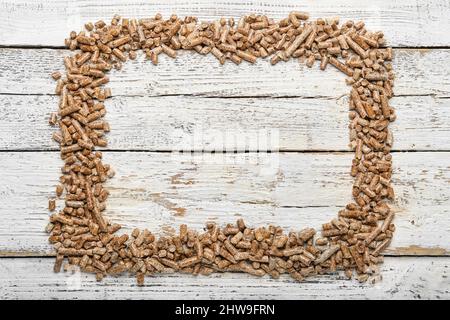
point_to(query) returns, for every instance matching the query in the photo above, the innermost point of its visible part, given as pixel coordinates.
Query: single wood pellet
(351, 242)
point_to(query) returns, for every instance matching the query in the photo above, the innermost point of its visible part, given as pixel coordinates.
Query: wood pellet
(352, 242)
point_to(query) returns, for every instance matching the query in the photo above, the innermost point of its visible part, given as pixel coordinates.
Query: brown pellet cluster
(353, 241)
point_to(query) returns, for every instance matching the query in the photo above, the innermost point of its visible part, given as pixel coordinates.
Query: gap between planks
(194, 151)
(206, 96)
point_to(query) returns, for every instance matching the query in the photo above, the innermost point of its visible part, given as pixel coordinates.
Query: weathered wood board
(418, 72)
(205, 124)
(152, 107)
(405, 23)
(159, 191)
(403, 278)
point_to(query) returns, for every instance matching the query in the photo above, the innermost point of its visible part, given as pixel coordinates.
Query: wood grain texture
(403, 278)
(198, 123)
(405, 23)
(159, 191)
(418, 72)
(313, 120)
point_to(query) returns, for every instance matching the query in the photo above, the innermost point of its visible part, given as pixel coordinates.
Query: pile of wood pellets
(352, 242)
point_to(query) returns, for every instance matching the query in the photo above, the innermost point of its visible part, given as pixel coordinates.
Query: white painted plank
(418, 72)
(405, 23)
(196, 123)
(402, 278)
(294, 190)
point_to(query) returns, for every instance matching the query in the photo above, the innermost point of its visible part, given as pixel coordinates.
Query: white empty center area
(178, 105)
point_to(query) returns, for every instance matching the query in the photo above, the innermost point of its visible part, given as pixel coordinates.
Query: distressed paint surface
(403, 278)
(418, 72)
(197, 123)
(405, 23)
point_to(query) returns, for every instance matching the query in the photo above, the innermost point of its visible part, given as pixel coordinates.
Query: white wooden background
(159, 190)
